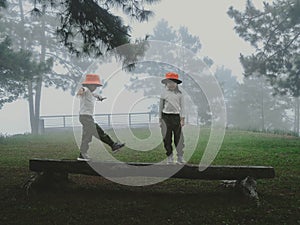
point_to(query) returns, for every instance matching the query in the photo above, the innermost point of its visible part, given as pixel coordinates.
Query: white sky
(204, 18)
(208, 20)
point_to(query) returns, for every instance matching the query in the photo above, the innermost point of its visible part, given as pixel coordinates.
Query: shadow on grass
(172, 190)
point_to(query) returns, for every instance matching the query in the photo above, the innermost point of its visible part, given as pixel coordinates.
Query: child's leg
(103, 136)
(178, 139)
(85, 140)
(87, 132)
(167, 136)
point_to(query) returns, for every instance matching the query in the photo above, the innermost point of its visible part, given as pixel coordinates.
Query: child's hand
(101, 98)
(182, 122)
(80, 92)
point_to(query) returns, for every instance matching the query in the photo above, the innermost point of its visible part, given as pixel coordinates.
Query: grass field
(95, 200)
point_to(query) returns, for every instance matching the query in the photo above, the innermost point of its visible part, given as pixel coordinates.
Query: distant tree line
(33, 43)
(251, 103)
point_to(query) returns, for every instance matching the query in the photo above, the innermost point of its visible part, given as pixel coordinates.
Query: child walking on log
(89, 127)
(171, 117)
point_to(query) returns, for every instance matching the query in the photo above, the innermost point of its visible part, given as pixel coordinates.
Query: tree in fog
(37, 34)
(94, 24)
(181, 37)
(251, 104)
(229, 85)
(85, 28)
(16, 67)
(2, 3)
(254, 106)
(274, 32)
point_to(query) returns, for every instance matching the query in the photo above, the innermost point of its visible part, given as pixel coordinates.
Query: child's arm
(161, 106)
(182, 111)
(80, 91)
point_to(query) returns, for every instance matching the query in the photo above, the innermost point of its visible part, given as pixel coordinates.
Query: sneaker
(117, 147)
(170, 159)
(180, 160)
(83, 157)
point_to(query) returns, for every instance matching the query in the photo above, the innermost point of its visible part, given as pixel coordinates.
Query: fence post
(149, 117)
(108, 119)
(129, 119)
(64, 121)
(41, 126)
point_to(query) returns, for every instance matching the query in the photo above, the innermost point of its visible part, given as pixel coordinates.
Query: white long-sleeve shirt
(87, 102)
(171, 102)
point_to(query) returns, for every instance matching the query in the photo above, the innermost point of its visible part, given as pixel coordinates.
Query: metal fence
(105, 120)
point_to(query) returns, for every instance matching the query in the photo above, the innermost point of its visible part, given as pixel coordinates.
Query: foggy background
(249, 105)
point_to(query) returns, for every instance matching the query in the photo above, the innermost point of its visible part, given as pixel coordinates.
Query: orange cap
(92, 79)
(171, 76)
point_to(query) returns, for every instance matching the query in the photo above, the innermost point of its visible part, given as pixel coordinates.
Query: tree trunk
(22, 24)
(34, 93)
(42, 60)
(38, 89)
(262, 105)
(29, 83)
(31, 106)
(296, 123)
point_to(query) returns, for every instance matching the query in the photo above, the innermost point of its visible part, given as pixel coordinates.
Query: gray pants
(90, 129)
(171, 126)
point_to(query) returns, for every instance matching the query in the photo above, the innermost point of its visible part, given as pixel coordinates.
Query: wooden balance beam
(242, 177)
(131, 169)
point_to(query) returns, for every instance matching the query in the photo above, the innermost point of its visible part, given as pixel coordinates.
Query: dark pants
(171, 126)
(90, 129)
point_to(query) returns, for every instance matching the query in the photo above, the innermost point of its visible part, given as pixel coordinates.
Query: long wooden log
(132, 169)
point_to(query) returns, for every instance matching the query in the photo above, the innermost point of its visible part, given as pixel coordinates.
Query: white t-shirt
(172, 102)
(87, 102)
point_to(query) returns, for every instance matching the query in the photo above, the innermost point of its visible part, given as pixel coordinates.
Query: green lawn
(95, 200)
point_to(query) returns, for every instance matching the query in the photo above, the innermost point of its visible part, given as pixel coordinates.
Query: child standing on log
(171, 117)
(89, 127)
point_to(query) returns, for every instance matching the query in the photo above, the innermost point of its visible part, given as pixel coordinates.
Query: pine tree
(254, 107)
(85, 28)
(274, 32)
(181, 56)
(16, 68)
(93, 23)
